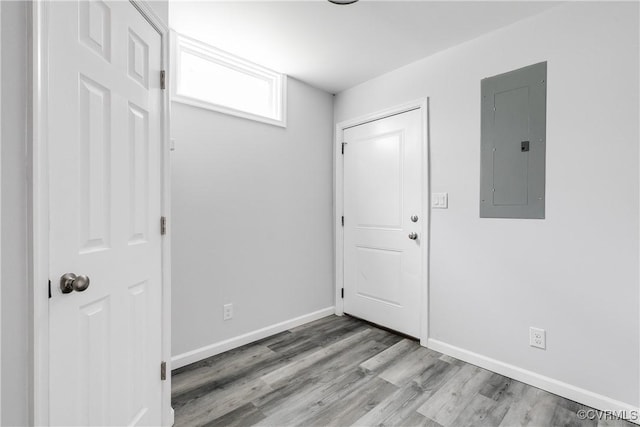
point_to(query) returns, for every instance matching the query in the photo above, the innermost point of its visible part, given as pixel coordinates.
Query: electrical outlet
(227, 311)
(538, 338)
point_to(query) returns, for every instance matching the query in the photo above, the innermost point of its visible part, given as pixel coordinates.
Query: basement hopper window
(209, 78)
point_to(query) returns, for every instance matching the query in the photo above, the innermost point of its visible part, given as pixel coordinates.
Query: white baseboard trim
(220, 347)
(586, 397)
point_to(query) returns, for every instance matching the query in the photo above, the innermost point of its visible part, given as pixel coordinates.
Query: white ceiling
(335, 47)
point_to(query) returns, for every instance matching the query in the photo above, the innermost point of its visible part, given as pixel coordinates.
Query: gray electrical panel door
(512, 164)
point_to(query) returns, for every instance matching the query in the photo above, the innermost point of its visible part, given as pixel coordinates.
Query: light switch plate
(440, 200)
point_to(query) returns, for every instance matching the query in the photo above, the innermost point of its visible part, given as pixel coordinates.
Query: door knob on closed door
(69, 282)
(413, 236)
(414, 218)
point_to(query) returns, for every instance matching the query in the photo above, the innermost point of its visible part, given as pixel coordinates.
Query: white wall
(251, 219)
(575, 273)
(161, 8)
(15, 287)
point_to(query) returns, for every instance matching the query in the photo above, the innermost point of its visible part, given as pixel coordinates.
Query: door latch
(524, 146)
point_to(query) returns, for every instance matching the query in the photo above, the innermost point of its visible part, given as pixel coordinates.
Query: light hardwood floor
(341, 371)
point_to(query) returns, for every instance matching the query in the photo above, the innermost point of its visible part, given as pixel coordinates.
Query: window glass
(210, 78)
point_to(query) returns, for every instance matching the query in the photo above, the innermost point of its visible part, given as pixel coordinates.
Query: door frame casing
(0, 212)
(38, 213)
(338, 202)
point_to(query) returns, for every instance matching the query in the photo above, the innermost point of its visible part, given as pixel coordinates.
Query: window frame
(181, 43)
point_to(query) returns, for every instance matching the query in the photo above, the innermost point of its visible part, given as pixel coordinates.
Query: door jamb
(39, 207)
(0, 208)
(338, 203)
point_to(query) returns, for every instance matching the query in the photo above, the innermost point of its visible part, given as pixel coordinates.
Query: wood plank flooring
(341, 371)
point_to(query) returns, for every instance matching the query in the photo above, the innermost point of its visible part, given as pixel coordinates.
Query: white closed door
(104, 146)
(382, 242)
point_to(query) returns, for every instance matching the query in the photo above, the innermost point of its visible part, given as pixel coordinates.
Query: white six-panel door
(382, 191)
(104, 106)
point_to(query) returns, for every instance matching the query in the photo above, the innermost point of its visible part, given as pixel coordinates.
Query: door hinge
(343, 220)
(343, 144)
(49, 288)
(163, 225)
(163, 371)
(163, 79)
(342, 293)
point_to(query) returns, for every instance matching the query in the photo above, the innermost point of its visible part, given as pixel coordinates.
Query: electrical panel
(513, 142)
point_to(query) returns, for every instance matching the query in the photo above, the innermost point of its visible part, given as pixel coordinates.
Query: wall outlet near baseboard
(538, 338)
(227, 311)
